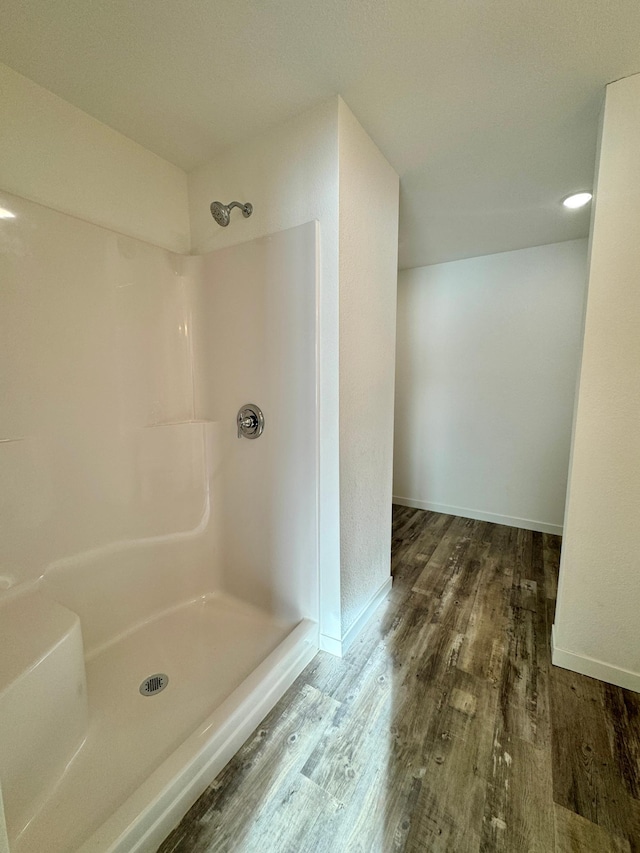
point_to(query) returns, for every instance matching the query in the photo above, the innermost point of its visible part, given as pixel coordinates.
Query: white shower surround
(317, 166)
(322, 165)
(292, 174)
(137, 516)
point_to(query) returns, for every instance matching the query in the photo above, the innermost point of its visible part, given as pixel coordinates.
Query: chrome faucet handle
(250, 421)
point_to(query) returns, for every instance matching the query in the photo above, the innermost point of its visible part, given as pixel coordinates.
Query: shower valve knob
(250, 421)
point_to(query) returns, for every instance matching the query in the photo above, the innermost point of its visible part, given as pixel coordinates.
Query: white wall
(368, 282)
(254, 327)
(104, 482)
(58, 156)
(596, 623)
(487, 362)
(323, 166)
(290, 175)
(53, 153)
(115, 488)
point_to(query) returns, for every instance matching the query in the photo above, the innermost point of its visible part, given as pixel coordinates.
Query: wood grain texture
(519, 806)
(445, 728)
(574, 834)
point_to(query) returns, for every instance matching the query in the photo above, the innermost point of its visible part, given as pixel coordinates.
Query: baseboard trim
(331, 645)
(339, 648)
(369, 609)
(585, 665)
(479, 515)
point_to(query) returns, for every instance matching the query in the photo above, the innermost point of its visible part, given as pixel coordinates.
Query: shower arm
(245, 208)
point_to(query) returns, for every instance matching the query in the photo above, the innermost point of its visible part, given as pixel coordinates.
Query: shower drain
(154, 684)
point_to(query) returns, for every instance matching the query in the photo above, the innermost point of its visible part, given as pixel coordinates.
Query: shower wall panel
(105, 478)
(255, 342)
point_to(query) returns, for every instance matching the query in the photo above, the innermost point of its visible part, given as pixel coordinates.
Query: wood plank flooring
(445, 727)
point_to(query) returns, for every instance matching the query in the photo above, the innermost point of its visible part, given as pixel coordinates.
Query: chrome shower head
(222, 212)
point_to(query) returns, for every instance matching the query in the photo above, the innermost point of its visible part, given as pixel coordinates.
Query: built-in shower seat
(43, 700)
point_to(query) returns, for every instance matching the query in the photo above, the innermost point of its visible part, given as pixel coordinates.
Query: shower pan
(158, 577)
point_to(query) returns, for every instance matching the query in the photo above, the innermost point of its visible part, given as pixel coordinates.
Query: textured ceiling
(487, 109)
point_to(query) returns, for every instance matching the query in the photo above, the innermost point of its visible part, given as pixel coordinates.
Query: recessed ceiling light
(6, 214)
(577, 200)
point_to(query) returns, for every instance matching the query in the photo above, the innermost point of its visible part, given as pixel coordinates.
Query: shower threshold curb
(150, 813)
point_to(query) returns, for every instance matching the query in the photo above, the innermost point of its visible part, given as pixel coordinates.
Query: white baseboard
(479, 515)
(331, 645)
(367, 612)
(340, 647)
(593, 668)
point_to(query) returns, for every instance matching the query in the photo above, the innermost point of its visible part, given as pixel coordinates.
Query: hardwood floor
(445, 728)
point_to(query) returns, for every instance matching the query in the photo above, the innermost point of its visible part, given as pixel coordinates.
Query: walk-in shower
(222, 212)
(158, 577)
